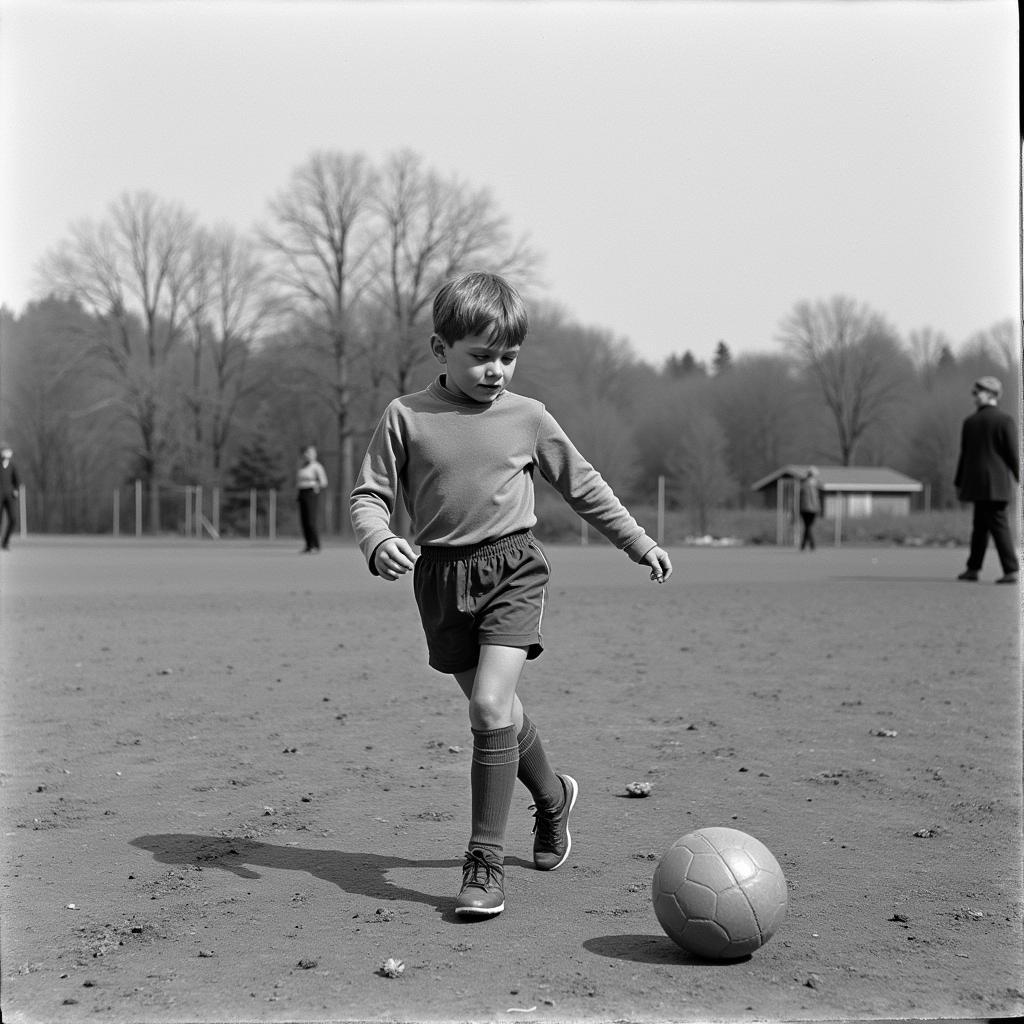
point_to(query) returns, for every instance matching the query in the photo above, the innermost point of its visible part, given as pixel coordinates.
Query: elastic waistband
(510, 542)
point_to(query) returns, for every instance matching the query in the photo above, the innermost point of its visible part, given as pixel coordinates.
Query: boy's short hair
(480, 303)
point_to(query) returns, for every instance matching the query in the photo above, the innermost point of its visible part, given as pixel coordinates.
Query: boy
(464, 451)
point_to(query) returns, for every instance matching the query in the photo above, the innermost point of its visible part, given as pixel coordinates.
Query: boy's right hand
(394, 558)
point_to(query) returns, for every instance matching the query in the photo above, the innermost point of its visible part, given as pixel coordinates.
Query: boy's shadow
(363, 874)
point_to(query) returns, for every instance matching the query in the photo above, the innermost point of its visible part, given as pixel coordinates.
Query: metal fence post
(661, 510)
(780, 520)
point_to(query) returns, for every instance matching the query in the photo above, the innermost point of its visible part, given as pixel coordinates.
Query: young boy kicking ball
(464, 451)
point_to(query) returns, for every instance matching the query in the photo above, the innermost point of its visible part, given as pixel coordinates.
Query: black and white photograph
(510, 511)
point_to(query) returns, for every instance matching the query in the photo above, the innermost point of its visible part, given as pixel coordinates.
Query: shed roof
(848, 478)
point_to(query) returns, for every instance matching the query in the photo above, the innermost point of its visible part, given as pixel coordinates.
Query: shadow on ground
(650, 949)
(358, 873)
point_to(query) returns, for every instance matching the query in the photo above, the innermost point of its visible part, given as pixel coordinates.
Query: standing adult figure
(987, 474)
(9, 487)
(810, 505)
(310, 480)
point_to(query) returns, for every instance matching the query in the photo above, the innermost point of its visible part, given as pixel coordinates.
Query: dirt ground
(232, 788)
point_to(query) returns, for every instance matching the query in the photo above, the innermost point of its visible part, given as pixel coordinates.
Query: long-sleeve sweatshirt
(465, 470)
(311, 474)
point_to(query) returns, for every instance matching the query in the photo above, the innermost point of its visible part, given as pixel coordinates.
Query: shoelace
(475, 862)
(548, 823)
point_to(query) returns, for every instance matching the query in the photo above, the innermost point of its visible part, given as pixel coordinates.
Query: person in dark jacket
(9, 485)
(810, 505)
(987, 474)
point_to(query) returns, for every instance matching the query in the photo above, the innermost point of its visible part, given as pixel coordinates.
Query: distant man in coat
(810, 505)
(9, 485)
(988, 460)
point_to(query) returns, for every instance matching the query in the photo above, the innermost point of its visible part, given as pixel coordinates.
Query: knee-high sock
(535, 771)
(492, 780)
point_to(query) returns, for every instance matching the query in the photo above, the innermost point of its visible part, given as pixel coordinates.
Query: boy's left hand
(661, 566)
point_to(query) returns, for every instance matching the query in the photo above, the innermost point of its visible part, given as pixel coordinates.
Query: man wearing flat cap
(987, 475)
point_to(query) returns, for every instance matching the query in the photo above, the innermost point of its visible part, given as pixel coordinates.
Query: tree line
(173, 352)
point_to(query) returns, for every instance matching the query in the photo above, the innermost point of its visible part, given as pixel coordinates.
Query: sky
(689, 170)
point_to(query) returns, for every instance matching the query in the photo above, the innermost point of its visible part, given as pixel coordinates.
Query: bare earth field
(232, 788)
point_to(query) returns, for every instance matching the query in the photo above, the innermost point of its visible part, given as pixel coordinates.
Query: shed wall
(856, 504)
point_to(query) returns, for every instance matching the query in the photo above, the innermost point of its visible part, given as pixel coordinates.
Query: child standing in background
(310, 480)
(463, 452)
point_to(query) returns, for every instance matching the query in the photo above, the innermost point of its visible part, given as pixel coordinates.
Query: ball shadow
(651, 949)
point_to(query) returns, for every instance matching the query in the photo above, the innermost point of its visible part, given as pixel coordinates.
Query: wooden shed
(847, 492)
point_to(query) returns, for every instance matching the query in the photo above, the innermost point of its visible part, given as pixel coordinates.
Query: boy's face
(475, 368)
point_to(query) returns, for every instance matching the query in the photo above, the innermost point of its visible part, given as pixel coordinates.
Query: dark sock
(492, 781)
(535, 771)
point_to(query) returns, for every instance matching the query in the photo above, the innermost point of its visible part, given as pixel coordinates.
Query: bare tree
(933, 438)
(855, 360)
(230, 300)
(433, 228)
(927, 350)
(196, 286)
(320, 239)
(585, 377)
(1000, 344)
(758, 405)
(65, 423)
(697, 470)
(128, 272)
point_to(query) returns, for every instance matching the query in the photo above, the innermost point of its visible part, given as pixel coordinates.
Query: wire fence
(214, 513)
(202, 512)
(136, 510)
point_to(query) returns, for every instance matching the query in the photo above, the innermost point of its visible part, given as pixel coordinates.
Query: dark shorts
(491, 593)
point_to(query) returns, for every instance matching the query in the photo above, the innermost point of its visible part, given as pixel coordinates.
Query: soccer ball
(719, 893)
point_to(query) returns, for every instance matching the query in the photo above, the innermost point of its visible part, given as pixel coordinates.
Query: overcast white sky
(690, 170)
